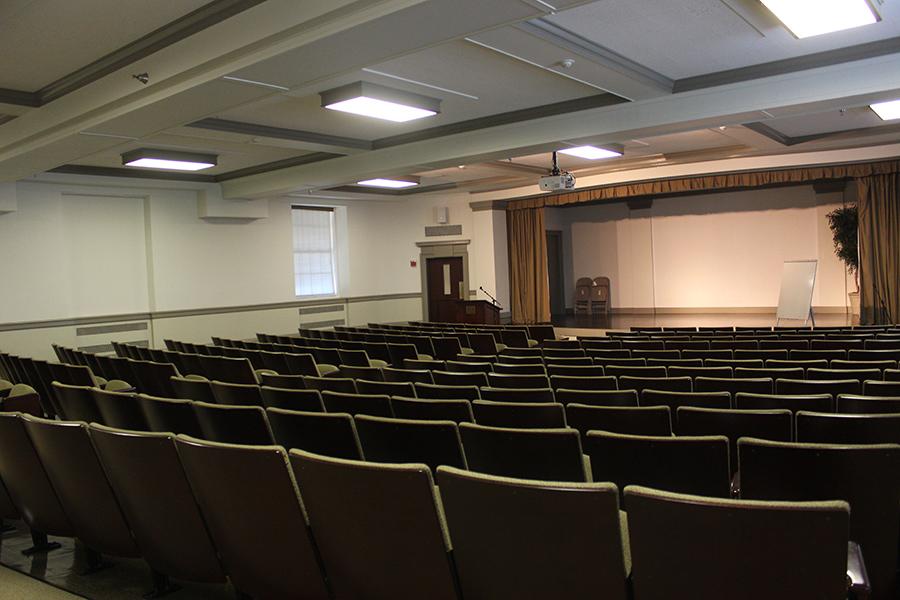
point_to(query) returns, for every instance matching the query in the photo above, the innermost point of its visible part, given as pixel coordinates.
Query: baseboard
(719, 310)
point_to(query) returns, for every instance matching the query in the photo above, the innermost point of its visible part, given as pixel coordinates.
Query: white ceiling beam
(853, 83)
(259, 33)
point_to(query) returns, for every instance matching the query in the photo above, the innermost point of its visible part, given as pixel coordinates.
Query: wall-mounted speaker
(441, 215)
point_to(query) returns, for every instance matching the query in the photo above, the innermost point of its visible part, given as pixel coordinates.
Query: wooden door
(444, 276)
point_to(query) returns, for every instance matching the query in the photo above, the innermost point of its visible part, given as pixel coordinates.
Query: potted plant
(844, 225)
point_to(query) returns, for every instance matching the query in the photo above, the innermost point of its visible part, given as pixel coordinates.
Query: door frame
(449, 249)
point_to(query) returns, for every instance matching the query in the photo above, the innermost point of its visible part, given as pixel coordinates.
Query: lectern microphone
(486, 293)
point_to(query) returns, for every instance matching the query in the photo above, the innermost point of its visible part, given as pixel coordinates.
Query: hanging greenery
(844, 224)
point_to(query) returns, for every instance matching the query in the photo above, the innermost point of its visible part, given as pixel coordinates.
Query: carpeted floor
(22, 587)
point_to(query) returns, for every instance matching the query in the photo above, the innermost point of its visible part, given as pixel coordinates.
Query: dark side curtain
(879, 248)
(529, 286)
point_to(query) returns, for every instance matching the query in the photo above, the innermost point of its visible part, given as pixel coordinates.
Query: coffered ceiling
(672, 81)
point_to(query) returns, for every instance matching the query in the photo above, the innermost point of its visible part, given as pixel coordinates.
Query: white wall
(707, 251)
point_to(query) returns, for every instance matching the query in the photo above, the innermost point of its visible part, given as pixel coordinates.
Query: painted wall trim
(173, 314)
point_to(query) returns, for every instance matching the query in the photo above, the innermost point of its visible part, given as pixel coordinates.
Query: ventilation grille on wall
(437, 230)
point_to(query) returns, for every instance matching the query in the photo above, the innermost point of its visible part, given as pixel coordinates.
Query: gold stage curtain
(529, 286)
(704, 183)
(879, 248)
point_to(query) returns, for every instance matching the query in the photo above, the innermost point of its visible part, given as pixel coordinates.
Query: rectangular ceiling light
(388, 183)
(380, 102)
(887, 110)
(173, 160)
(806, 18)
(591, 152)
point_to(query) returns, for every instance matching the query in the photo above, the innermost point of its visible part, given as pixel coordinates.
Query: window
(314, 259)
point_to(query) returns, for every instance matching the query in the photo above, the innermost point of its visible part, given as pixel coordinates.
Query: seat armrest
(858, 585)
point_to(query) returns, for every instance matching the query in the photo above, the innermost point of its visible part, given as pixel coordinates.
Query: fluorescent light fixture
(395, 184)
(172, 160)
(806, 18)
(380, 102)
(592, 152)
(887, 111)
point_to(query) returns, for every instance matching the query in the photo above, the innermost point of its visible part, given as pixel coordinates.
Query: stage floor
(595, 325)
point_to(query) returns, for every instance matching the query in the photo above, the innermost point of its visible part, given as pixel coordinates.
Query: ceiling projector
(556, 179)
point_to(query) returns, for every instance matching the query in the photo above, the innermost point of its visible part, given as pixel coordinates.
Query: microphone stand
(493, 300)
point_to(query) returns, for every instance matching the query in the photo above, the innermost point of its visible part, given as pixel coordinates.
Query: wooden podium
(479, 312)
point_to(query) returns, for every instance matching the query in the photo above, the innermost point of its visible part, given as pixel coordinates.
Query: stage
(595, 325)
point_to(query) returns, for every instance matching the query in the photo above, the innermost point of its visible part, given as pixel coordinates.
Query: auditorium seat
(634, 371)
(581, 382)
(575, 370)
(791, 402)
(263, 539)
(775, 425)
(483, 343)
(76, 403)
(465, 364)
(831, 374)
(734, 364)
(354, 372)
(711, 548)
(73, 468)
(446, 392)
(121, 410)
(768, 373)
(668, 384)
(499, 380)
(446, 348)
(694, 372)
(618, 362)
(331, 434)
(646, 420)
(29, 487)
(432, 410)
(853, 404)
(228, 369)
(573, 361)
(597, 397)
(855, 474)
(385, 388)
(154, 378)
(170, 415)
(548, 454)
(674, 400)
(763, 385)
(25, 399)
(407, 375)
(476, 378)
(508, 369)
(330, 384)
(294, 382)
(797, 364)
(881, 365)
(236, 394)
(827, 428)
(432, 443)
(496, 394)
(390, 538)
(307, 400)
(158, 503)
(575, 549)
(233, 424)
(873, 387)
(817, 354)
(527, 415)
(193, 387)
(690, 465)
(400, 352)
(891, 374)
(377, 405)
(833, 387)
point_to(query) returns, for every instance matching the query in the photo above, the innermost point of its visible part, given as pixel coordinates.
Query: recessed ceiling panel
(826, 122)
(470, 81)
(686, 38)
(44, 40)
